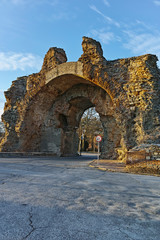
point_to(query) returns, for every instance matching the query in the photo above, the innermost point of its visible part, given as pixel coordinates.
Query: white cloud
(108, 19)
(106, 3)
(104, 37)
(143, 43)
(13, 61)
(141, 38)
(157, 3)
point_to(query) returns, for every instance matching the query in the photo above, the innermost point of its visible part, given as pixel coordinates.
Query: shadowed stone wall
(43, 110)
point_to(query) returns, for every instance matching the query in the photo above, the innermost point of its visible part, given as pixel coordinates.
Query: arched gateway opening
(62, 118)
(89, 128)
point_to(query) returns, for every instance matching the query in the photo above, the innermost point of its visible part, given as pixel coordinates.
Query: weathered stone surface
(43, 110)
(54, 56)
(149, 167)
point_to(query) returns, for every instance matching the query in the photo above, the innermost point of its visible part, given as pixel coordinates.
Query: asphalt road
(44, 198)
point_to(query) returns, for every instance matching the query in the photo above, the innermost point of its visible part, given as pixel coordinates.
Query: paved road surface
(51, 199)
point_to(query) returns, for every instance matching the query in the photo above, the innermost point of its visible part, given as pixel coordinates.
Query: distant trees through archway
(90, 126)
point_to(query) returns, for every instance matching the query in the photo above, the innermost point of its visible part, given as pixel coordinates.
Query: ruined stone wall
(133, 85)
(19, 98)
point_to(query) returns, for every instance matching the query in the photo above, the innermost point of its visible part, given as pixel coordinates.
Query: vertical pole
(80, 146)
(98, 155)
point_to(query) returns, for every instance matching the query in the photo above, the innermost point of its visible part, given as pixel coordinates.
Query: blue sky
(28, 28)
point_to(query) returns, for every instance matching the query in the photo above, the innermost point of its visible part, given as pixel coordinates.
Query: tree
(90, 126)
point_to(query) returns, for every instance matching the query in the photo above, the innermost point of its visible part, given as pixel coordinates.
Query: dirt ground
(146, 167)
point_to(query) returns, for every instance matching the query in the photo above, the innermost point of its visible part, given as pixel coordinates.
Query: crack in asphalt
(126, 234)
(31, 225)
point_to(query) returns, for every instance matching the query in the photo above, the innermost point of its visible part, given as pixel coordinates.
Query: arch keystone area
(75, 68)
(43, 110)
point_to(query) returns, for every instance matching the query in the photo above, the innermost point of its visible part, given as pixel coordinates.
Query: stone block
(136, 156)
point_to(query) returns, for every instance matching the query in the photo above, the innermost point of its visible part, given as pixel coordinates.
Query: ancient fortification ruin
(43, 110)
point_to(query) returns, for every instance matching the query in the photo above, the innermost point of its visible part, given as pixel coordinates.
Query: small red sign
(98, 138)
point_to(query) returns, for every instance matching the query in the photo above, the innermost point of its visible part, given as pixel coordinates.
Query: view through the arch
(90, 126)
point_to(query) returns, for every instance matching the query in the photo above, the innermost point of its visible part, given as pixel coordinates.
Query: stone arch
(55, 117)
(66, 113)
(128, 87)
